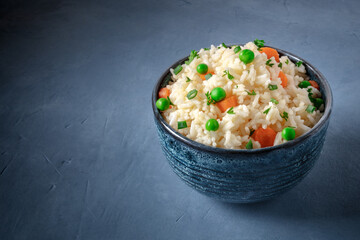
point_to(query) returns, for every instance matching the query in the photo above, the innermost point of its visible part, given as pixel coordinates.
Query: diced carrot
(202, 76)
(270, 52)
(283, 78)
(314, 84)
(265, 137)
(164, 93)
(227, 103)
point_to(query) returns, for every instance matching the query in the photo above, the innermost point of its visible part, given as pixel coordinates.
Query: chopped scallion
(182, 124)
(207, 76)
(178, 69)
(192, 94)
(231, 111)
(310, 109)
(237, 49)
(272, 87)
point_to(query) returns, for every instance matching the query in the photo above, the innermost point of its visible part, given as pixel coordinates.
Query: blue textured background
(79, 154)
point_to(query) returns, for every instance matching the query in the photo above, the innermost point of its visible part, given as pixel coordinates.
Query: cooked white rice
(234, 129)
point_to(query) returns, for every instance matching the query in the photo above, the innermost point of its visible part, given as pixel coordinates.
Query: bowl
(244, 176)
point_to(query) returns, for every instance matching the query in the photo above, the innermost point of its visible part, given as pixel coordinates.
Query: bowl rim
(326, 115)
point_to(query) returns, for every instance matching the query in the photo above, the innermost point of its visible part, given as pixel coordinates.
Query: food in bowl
(240, 97)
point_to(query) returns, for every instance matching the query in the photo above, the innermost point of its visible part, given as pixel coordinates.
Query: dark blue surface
(79, 155)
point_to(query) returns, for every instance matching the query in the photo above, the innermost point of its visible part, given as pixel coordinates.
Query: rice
(234, 129)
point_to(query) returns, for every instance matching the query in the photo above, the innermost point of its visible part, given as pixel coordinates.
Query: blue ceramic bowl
(244, 176)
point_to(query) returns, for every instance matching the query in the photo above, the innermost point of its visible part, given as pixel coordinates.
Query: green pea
(288, 133)
(162, 104)
(202, 68)
(246, 56)
(318, 102)
(218, 94)
(212, 125)
(304, 84)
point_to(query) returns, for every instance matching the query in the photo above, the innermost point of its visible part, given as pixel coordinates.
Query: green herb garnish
(251, 132)
(207, 76)
(231, 111)
(269, 64)
(182, 124)
(206, 49)
(310, 95)
(193, 55)
(192, 94)
(298, 64)
(170, 101)
(209, 99)
(318, 102)
(252, 93)
(267, 110)
(236, 87)
(259, 43)
(285, 115)
(188, 79)
(237, 49)
(249, 145)
(273, 100)
(178, 69)
(272, 87)
(280, 65)
(287, 61)
(310, 109)
(223, 44)
(230, 77)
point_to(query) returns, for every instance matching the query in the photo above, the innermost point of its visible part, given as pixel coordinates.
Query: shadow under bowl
(244, 176)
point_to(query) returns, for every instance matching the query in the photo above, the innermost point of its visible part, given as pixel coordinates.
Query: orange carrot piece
(283, 78)
(227, 103)
(164, 93)
(265, 137)
(314, 84)
(270, 52)
(202, 76)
